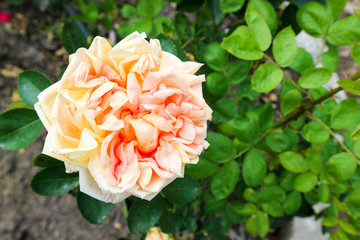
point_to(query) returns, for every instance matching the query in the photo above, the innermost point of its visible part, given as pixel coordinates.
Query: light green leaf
(314, 160)
(284, 47)
(18, 128)
(324, 193)
(216, 57)
(229, 6)
(254, 168)
(353, 203)
(182, 190)
(272, 193)
(31, 84)
(336, 7)
(292, 202)
(345, 31)
(290, 101)
(274, 209)
(258, 28)
(338, 168)
(149, 8)
(330, 59)
(314, 19)
(93, 210)
(266, 10)
(258, 224)
(329, 221)
(347, 227)
(223, 183)
(305, 182)
(128, 11)
(218, 84)
(343, 113)
(277, 142)
(314, 132)
(350, 86)
(266, 77)
(315, 77)
(242, 46)
(303, 61)
(355, 53)
(293, 162)
(221, 148)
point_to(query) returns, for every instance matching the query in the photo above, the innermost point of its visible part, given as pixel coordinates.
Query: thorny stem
(311, 116)
(290, 79)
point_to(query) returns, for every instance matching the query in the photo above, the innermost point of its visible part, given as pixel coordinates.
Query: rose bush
(127, 117)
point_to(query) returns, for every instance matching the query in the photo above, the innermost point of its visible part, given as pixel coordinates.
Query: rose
(155, 233)
(127, 117)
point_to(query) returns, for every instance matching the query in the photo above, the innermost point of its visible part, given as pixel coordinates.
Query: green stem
(311, 116)
(318, 59)
(192, 38)
(290, 79)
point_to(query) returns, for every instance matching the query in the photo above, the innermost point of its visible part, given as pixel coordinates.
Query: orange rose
(127, 117)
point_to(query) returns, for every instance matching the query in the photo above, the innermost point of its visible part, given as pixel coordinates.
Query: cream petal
(133, 89)
(146, 134)
(100, 46)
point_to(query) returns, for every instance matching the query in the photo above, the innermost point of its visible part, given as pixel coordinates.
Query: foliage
(259, 169)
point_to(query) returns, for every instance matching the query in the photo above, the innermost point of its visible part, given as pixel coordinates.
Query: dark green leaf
(224, 110)
(213, 206)
(218, 84)
(239, 71)
(53, 181)
(254, 168)
(169, 222)
(266, 77)
(190, 223)
(93, 210)
(224, 181)
(292, 202)
(272, 193)
(144, 214)
(277, 142)
(215, 225)
(45, 161)
(203, 169)
(18, 128)
(72, 38)
(234, 211)
(221, 148)
(182, 190)
(31, 84)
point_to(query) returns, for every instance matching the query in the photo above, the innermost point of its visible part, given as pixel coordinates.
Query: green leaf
(324, 193)
(31, 84)
(272, 193)
(254, 168)
(288, 18)
(350, 86)
(215, 224)
(229, 6)
(128, 11)
(329, 221)
(149, 8)
(266, 77)
(162, 24)
(182, 190)
(212, 205)
(93, 210)
(305, 182)
(218, 84)
(18, 128)
(216, 13)
(303, 61)
(353, 203)
(345, 31)
(330, 59)
(223, 183)
(291, 100)
(315, 77)
(314, 19)
(241, 210)
(287, 180)
(232, 211)
(315, 132)
(293, 162)
(216, 57)
(242, 45)
(246, 128)
(258, 28)
(277, 142)
(274, 209)
(357, 13)
(338, 235)
(347, 227)
(144, 214)
(190, 223)
(224, 110)
(169, 222)
(46, 161)
(292, 203)
(336, 7)
(343, 113)
(203, 169)
(314, 160)
(258, 224)
(266, 117)
(53, 181)
(355, 53)
(221, 148)
(72, 38)
(284, 47)
(250, 195)
(338, 168)
(239, 71)
(266, 10)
